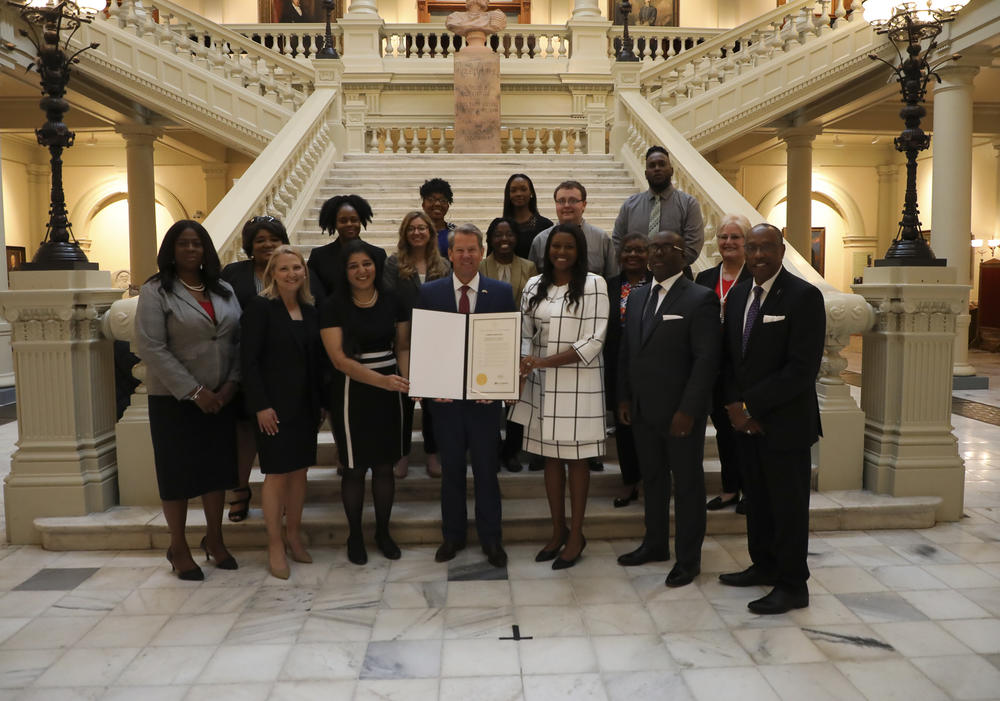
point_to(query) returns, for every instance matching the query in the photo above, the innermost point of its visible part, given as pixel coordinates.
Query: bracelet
(746, 413)
(197, 391)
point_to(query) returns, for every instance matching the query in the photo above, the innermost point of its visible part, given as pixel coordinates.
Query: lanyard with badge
(723, 291)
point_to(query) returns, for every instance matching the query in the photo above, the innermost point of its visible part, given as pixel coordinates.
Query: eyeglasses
(658, 247)
(417, 229)
(437, 199)
(267, 218)
(635, 250)
(570, 202)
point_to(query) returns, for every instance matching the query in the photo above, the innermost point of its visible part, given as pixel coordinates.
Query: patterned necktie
(654, 216)
(752, 315)
(463, 303)
(651, 304)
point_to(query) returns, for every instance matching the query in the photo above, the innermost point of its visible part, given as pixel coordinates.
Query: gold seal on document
(481, 379)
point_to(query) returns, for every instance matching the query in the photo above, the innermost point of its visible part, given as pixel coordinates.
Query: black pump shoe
(228, 564)
(561, 564)
(546, 555)
(620, 502)
(192, 575)
(356, 551)
(387, 546)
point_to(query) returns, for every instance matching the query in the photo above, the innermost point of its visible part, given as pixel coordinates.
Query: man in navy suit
(667, 364)
(774, 334)
(466, 425)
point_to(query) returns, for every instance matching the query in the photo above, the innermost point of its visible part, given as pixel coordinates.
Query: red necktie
(463, 303)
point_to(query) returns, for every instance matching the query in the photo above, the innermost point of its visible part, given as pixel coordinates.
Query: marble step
(414, 522)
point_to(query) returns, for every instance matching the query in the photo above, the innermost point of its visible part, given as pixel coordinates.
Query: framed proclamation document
(465, 356)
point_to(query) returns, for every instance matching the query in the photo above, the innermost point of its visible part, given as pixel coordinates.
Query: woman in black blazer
(261, 236)
(732, 234)
(281, 368)
(633, 261)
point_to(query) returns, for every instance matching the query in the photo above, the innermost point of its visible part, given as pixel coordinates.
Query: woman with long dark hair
(416, 261)
(520, 206)
(366, 333)
(345, 216)
(281, 371)
(564, 324)
(187, 333)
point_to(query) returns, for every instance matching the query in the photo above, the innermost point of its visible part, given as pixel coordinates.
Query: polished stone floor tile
(479, 658)
(632, 653)
(881, 607)
(402, 659)
(890, 680)
(557, 656)
(818, 681)
(776, 646)
(491, 688)
(240, 664)
(961, 677)
(88, 667)
(649, 685)
(564, 687)
(849, 642)
(324, 661)
(982, 635)
(731, 683)
(408, 624)
(706, 649)
(166, 666)
(56, 579)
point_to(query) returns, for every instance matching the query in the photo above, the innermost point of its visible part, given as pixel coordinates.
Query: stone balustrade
(439, 138)
(429, 41)
(659, 43)
(299, 41)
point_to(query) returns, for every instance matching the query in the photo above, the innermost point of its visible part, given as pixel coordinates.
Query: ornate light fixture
(48, 20)
(911, 23)
(626, 53)
(328, 50)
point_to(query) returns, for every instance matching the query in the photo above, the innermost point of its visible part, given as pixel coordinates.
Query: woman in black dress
(520, 205)
(436, 199)
(633, 261)
(280, 352)
(366, 334)
(415, 262)
(344, 215)
(187, 333)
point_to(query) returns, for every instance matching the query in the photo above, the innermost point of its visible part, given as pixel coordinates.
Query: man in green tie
(661, 208)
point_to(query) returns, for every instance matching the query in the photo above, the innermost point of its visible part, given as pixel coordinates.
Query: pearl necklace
(193, 288)
(369, 303)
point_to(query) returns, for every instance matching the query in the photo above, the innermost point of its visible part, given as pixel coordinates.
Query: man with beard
(661, 208)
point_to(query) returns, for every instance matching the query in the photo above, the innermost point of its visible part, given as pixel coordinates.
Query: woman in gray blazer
(187, 333)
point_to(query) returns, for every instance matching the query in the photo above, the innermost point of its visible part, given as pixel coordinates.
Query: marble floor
(905, 614)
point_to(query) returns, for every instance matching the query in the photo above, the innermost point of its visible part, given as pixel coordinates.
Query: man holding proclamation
(468, 425)
(667, 365)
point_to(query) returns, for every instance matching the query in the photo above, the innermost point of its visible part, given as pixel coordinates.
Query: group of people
(246, 361)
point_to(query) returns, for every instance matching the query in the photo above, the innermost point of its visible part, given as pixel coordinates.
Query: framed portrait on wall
(275, 11)
(647, 13)
(16, 255)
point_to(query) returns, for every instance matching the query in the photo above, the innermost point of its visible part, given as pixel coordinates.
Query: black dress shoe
(546, 555)
(595, 465)
(750, 577)
(716, 503)
(356, 551)
(680, 575)
(496, 555)
(512, 464)
(536, 463)
(563, 564)
(780, 600)
(447, 551)
(619, 502)
(387, 546)
(642, 555)
(741, 507)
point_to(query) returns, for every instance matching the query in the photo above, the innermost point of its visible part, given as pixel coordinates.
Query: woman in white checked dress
(564, 323)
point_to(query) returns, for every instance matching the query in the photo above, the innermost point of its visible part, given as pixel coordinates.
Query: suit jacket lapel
(451, 305)
(675, 292)
(189, 299)
(287, 322)
(772, 299)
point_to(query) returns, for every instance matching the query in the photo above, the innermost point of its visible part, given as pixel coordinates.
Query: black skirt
(291, 449)
(194, 452)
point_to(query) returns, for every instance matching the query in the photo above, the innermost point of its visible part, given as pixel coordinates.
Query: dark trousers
(660, 457)
(461, 427)
(777, 493)
(729, 452)
(427, 428)
(628, 459)
(511, 444)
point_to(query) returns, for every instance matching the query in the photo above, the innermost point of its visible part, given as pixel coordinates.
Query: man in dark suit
(774, 335)
(668, 362)
(468, 426)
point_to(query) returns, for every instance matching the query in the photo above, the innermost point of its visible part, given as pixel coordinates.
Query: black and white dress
(367, 421)
(562, 409)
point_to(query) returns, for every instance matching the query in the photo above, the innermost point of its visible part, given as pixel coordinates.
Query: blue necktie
(752, 315)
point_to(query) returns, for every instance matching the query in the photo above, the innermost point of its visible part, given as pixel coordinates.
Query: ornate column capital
(138, 134)
(799, 137)
(887, 172)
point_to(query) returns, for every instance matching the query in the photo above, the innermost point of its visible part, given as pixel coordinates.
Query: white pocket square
(671, 317)
(768, 318)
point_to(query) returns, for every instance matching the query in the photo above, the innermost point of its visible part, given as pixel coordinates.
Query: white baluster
(442, 146)
(537, 144)
(550, 143)
(524, 141)
(578, 141)
(840, 14)
(563, 141)
(563, 45)
(790, 34)
(824, 18)
(511, 147)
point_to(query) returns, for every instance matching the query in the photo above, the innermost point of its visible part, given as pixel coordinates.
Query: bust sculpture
(476, 22)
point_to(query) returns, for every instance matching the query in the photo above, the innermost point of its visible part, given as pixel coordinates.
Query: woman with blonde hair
(281, 375)
(416, 261)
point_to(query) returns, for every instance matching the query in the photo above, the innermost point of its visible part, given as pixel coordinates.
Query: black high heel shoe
(356, 551)
(561, 564)
(546, 555)
(620, 502)
(240, 514)
(228, 564)
(387, 546)
(192, 575)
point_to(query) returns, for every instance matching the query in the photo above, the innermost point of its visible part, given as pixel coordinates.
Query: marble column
(798, 221)
(139, 140)
(951, 188)
(361, 33)
(909, 447)
(65, 462)
(39, 186)
(889, 206)
(583, 9)
(588, 37)
(362, 8)
(6, 357)
(216, 183)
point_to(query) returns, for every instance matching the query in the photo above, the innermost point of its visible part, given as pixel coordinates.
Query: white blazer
(573, 410)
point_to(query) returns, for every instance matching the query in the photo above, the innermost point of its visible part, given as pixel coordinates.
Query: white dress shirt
(472, 293)
(766, 285)
(665, 286)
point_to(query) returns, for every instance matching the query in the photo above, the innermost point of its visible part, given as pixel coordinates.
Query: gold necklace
(369, 303)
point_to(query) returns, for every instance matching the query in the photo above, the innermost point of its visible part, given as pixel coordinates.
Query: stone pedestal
(477, 99)
(906, 385)
(136, 470)
(64, 369)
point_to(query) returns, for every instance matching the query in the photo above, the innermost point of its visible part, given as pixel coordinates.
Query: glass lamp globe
(878, 12)
(91, 7)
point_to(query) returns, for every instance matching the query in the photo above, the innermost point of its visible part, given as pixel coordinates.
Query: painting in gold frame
(647, 13)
